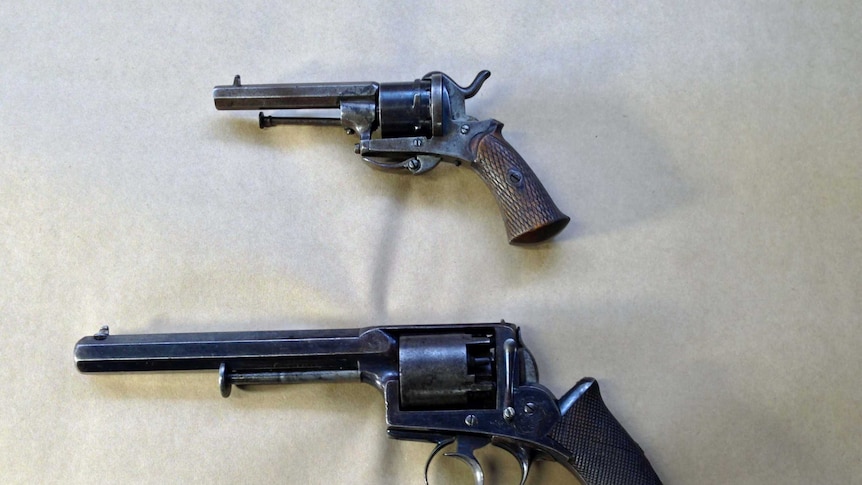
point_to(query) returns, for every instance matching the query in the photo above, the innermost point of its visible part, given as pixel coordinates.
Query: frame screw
(529, 408)
(471, 420)
(413, 165)
(465, 129)
(417, 142)
(509, 413)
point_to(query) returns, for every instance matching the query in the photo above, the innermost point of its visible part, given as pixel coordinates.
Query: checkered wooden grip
(528, 211)
(600, 449)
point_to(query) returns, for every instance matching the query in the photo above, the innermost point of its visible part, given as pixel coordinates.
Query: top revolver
(412, 127)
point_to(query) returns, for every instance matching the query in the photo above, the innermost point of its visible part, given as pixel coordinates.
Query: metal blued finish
(445, 371)
(474, 384)
(528, 212)
(269, 351)
(404, 109)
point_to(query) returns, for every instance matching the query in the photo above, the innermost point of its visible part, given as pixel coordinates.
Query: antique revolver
(420, 124)
(468, 384)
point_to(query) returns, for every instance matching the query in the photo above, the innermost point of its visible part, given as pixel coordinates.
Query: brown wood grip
(528, 211)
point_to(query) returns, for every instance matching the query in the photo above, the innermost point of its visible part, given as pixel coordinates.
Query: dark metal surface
(270, 121)
(419, 124)
(290, 96)
(309, 350)
(471, 384)
(405, 109)
(446, 371)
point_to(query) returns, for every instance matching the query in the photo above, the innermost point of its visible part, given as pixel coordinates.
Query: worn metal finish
(467, 384)
(420, 124)
(291, 96)
(405, 109)
(270, 121)
(440, 371)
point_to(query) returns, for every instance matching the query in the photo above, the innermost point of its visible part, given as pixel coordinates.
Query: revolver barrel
(291, 96)
(458, 358)
(398, 109)
(242, 358)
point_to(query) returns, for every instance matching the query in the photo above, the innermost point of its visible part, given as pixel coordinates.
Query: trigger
(440, 445)
(522, 454)
(464, 452)
(466, 445)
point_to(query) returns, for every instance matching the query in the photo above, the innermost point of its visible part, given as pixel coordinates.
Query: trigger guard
(521, 453)
(383, 163)
(469, 459)
(426, 163)
(416, 165)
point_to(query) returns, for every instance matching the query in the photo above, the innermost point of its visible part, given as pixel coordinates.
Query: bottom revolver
(467, 384)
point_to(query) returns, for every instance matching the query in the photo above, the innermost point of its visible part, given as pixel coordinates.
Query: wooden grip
(528, 211)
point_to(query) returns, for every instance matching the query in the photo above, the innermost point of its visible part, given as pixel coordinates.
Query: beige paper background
(709, 155)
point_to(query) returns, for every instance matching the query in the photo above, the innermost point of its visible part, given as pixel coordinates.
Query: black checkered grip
(602, 451)
(528, 211)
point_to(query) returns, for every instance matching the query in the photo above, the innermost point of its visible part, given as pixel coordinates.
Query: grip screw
(471, 420)
(413, 165)
(515, 177)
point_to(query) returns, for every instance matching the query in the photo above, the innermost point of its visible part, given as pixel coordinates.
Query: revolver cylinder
(446, 371)
(404, 109)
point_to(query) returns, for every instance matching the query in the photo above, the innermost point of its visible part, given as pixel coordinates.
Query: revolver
(411, 127)
(466, 385)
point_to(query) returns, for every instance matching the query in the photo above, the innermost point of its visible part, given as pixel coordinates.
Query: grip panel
(528, 211)
(600, 450)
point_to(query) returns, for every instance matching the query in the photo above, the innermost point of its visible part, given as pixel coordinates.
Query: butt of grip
(528, 212)
(599, 449)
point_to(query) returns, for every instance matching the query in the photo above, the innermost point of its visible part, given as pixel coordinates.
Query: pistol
(465, 385)
(411, 127)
